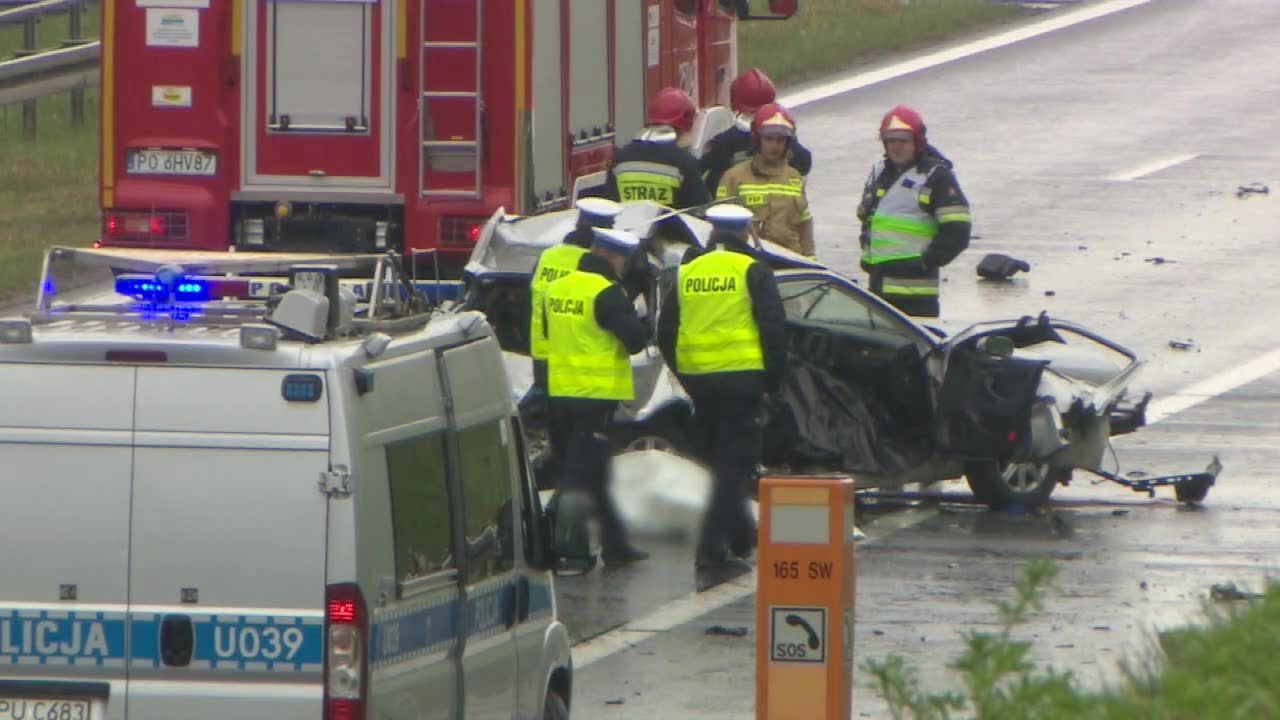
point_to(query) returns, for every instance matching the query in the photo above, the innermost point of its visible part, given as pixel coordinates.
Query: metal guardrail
(35, 73)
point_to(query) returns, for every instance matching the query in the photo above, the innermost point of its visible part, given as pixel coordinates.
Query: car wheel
(663, 435)
(1018, 484)
(554, 708)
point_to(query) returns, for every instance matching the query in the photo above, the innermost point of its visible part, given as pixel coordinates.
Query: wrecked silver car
(1011, 406)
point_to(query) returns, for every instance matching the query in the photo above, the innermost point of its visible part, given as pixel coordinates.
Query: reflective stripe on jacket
(718, 331)
(644, 180)
(775, 195)
(583, 360)
(554, 263)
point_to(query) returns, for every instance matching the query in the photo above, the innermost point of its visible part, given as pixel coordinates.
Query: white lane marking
(1209, 388)
(1152, 167)
(664, 619)
(1057, 21)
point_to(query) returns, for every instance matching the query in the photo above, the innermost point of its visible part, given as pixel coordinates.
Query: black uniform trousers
(557, 433)
(586, 462)
(928, 306)
(729, 436)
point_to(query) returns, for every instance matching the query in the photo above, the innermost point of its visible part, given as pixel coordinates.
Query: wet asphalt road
(1054, 140)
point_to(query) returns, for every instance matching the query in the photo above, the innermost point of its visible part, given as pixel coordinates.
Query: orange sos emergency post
(805, 598)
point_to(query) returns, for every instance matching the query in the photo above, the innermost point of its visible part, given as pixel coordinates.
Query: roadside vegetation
(48, 188)
(830, 35)
(1225, 668)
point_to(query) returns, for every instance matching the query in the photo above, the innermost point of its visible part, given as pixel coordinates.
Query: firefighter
(554, 263)
(771, 188)
(592, 331)
(749, 92)
(655, 166)
(915, 219)
(722, 331)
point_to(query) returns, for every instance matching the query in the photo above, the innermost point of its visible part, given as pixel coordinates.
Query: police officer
(554, 263)
(749, 92)
(655, 166)
(722, 330)
(915, 219)
(592, 331)
(771, 188)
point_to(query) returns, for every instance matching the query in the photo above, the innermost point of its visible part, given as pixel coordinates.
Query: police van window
(419, 506)
(485, 452)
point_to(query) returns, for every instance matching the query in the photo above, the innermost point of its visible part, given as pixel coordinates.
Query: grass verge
(48, 188)
(1222, 669)
(829, 35)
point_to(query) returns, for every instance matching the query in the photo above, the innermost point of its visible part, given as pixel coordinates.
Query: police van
(306, 507)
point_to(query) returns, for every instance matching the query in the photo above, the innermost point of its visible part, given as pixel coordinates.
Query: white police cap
(598, 211)
(618, 241)
(728, 216)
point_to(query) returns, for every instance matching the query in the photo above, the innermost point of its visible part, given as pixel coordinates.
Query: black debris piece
(1049, 293)
(1253, 189)
(1159, 260)
(996, 266)
(1182, 345)
(730, 631)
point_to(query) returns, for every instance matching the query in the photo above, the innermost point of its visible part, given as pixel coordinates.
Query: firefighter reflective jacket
(774, 192)
(904, 214)
(654, 167)
(554, 263)
(718, 331)
(583, 359)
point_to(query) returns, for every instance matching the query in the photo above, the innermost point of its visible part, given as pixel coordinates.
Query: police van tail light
(346, 665)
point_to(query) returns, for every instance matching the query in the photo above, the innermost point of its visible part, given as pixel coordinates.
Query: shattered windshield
(823, 301)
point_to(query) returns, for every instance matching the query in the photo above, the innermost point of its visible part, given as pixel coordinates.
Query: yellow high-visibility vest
(718, 331)
(584, 360)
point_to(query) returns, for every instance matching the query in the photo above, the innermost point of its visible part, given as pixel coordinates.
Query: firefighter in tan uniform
(770, 187)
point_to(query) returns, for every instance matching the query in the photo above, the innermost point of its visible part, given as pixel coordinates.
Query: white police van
(311, 507)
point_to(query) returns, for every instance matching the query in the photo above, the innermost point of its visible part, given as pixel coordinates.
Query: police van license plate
(44, 709)
(172, 162)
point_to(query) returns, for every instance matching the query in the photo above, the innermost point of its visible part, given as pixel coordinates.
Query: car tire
(664, 434)
(1019, 484)
(554, 707)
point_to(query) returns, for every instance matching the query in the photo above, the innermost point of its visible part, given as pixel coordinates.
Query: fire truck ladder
(451, 109)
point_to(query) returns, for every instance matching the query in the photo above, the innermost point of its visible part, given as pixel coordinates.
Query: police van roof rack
(315, 301)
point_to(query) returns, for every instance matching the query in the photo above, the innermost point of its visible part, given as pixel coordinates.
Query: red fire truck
(362, 125)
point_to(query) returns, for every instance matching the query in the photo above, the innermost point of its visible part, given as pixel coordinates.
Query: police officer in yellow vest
(554, 263)
(592, 331)
(722, 331)
(915, 219)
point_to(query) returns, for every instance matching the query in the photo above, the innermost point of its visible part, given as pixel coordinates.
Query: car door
(984, 401)
(856, 396)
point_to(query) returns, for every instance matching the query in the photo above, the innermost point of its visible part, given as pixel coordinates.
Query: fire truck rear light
(255, 232)
(460, 231)
(119, 225)
(380, 234)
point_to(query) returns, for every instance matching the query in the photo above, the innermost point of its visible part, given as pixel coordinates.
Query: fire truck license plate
(42, 709)
(172, 162)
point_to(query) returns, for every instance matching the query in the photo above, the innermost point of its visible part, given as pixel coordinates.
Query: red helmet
(750, 91)
(904, 119)
(773, 119)
(672, 106)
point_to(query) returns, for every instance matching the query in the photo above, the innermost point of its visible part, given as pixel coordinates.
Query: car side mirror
(996, 346)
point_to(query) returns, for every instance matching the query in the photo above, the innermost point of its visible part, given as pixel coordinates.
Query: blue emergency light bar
(148, 289)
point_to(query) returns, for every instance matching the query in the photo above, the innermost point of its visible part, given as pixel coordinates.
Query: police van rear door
(227, 548)
(65, 468)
